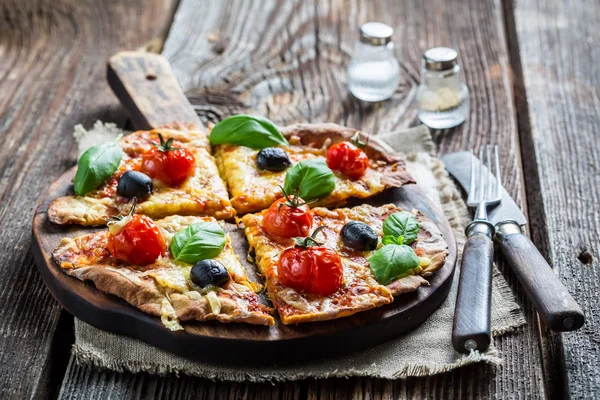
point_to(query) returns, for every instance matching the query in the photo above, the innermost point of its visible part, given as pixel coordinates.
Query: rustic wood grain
(472, 316)
(286, 60)
(51, 78)
(555, 306)
(559, 114)
(148, 90)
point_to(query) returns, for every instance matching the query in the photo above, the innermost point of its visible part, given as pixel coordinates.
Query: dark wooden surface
(533, 76)
(243, 343)
(53, 63)
(556, 58)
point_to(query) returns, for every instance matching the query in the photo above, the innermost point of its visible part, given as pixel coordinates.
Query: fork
(471, 329)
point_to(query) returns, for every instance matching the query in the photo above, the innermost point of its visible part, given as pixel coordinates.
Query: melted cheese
(169, 317)
(203, 193)
(172, 276)
(360, 291)
(214, 303)
(254, 190)
(235, 301)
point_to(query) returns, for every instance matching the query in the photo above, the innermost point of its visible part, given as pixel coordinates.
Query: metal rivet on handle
(568, 322)
(470, 345)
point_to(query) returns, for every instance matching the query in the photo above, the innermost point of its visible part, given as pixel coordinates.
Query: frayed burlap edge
(89, 358)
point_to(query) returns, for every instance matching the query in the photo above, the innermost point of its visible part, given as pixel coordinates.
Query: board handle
(556, 307)
(149, 91)
(471, 329)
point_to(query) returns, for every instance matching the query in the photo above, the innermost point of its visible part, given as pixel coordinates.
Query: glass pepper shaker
(374, 72)
(443, 99)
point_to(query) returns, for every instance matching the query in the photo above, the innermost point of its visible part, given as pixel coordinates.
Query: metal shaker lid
(376, 33)
(440, 59)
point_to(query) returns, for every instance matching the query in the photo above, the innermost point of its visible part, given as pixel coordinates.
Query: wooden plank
(286, 60)
(558, 83)
(51, 78)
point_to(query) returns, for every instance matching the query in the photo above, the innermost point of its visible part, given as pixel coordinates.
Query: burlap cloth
(424, 351)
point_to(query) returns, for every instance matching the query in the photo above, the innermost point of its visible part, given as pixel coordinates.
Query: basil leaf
(402, 224)
(247, 130)
(312, 178)
(198, 242)
(96, 165)
(391, 261)
(389, 239)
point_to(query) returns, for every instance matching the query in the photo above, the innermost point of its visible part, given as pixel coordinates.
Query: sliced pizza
(169, 171)
(362, 167)
(329, 274)
(152, 265)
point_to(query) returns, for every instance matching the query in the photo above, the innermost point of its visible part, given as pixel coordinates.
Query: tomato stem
(355, 140)
(164, 146)
(129, 213)
(294, 202)
(309, 241)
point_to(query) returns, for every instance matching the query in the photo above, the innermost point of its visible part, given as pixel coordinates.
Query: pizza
(358, 289)
(162, 286)
(199, 190)
(162, 194)
(254, 189)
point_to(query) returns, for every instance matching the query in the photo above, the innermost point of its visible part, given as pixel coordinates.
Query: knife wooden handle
(556, 307)
(473, 303)
(148, 89)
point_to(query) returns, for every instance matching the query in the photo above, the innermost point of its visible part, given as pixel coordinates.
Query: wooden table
(532, 67)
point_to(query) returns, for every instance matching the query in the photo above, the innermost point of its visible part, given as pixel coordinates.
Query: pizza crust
(163, 286)
(203, 193)
(360, 291)
(430, 244)
(80, 210)
(253, 190)
(154, 289)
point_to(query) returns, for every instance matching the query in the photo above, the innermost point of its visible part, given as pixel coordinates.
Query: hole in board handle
(151, 77)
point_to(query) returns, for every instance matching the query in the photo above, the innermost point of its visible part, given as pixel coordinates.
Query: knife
(556, 307)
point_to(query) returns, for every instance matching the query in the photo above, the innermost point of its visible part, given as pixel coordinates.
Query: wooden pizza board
(136, 77)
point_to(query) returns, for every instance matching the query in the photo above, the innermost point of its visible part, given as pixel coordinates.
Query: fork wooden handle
(556, 307)
(471, 328)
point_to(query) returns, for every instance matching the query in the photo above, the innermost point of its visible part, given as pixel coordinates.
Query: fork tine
(498, 179)
(481, 195)
(471, 196)
(490, 184)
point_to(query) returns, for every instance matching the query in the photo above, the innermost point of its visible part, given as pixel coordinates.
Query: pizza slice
(135, 260)
(169, 171)
(305, 285)
(362, 167)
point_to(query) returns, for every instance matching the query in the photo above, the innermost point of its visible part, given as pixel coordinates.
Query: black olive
(359, 236)
(209, 272)
(273, 159)
(135, 184)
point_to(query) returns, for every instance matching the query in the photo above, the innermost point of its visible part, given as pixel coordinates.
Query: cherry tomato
(316, 270)
(347, 159)
(172, 165)
(286, 221)
(138, 243)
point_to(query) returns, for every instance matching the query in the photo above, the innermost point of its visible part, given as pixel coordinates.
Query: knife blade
(555, 306)
(459, 166)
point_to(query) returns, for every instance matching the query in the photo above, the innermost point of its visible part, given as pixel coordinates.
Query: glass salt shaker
(442, 97)
(374, 72)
